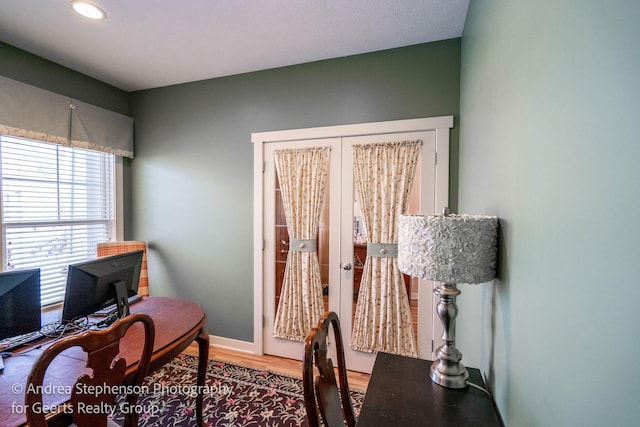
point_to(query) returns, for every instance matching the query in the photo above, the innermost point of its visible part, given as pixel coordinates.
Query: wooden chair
(109, 370)
(115, 248)
(322, 395)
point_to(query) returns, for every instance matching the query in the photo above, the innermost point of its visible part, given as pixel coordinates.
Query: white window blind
(57, 204)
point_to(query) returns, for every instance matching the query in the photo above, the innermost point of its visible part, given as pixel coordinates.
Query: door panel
(340, 238)
(354, 251)
(277, 242)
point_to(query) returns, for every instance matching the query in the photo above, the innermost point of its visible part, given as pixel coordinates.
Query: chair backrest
(321, 394)
(115, 248)
(108, 374)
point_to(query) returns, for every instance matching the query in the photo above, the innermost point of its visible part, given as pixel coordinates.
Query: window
(57, 204)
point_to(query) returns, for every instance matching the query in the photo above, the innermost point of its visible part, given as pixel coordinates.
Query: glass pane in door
(411, 283)
(323, 244)
(359, 250)
(281, 242)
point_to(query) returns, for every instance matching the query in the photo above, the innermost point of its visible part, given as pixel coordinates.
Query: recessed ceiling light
(88, 10)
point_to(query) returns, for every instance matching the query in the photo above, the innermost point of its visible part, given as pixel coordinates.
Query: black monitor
(95, 284)
(19, 302)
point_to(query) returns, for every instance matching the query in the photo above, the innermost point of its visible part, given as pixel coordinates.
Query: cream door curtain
(384, 174)
(302, 174)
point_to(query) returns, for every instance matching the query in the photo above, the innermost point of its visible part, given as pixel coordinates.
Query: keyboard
(110, 309)
(13, 343)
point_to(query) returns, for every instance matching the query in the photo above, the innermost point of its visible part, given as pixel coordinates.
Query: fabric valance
(30, 112)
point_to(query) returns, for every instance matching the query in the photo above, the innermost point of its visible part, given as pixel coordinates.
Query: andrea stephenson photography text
(89, 390)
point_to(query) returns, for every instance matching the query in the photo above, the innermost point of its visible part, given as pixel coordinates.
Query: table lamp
(449, 249)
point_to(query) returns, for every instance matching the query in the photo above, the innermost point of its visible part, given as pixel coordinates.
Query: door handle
(346, 266)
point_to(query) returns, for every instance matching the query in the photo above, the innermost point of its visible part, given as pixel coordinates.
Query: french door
(277, 241)
(341, 242)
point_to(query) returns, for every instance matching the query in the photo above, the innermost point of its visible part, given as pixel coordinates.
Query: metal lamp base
(449, 375)
(447, 370)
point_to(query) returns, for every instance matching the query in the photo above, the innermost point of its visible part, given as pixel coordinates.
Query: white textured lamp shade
(448, 248)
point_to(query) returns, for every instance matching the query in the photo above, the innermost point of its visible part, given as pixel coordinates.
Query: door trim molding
(440, 124)
(358, 129)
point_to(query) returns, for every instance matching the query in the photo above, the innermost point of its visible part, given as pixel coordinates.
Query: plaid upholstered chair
(114, 248)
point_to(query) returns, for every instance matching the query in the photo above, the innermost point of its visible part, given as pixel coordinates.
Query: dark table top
(401, 393)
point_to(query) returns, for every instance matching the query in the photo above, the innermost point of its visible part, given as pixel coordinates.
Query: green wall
(27, 68)
(549, 110)
(193, 172)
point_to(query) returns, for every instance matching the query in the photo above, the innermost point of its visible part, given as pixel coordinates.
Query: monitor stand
(122, 299)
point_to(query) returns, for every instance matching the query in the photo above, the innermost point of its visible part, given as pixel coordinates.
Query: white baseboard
(237, 345)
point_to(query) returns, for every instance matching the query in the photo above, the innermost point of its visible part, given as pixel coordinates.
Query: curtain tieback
(303, 245)
(382, 250)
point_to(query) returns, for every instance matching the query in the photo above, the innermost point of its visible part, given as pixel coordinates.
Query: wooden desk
(400, 393)
(177, 323)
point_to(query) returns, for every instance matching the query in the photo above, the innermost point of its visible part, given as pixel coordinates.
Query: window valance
(30, 112)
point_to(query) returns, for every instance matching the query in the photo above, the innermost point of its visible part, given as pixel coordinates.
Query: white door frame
(440, 125)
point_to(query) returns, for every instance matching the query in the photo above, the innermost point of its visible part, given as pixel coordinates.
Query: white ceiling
(152, 43)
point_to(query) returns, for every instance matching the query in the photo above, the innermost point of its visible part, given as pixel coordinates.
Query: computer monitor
(19, 302)
(95, 284)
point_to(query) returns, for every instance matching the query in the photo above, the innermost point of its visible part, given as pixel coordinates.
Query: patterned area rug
(235, 396)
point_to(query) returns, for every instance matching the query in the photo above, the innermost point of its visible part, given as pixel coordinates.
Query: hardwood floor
(357, 380)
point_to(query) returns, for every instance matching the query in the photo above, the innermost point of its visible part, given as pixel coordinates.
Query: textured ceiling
(152, 43)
